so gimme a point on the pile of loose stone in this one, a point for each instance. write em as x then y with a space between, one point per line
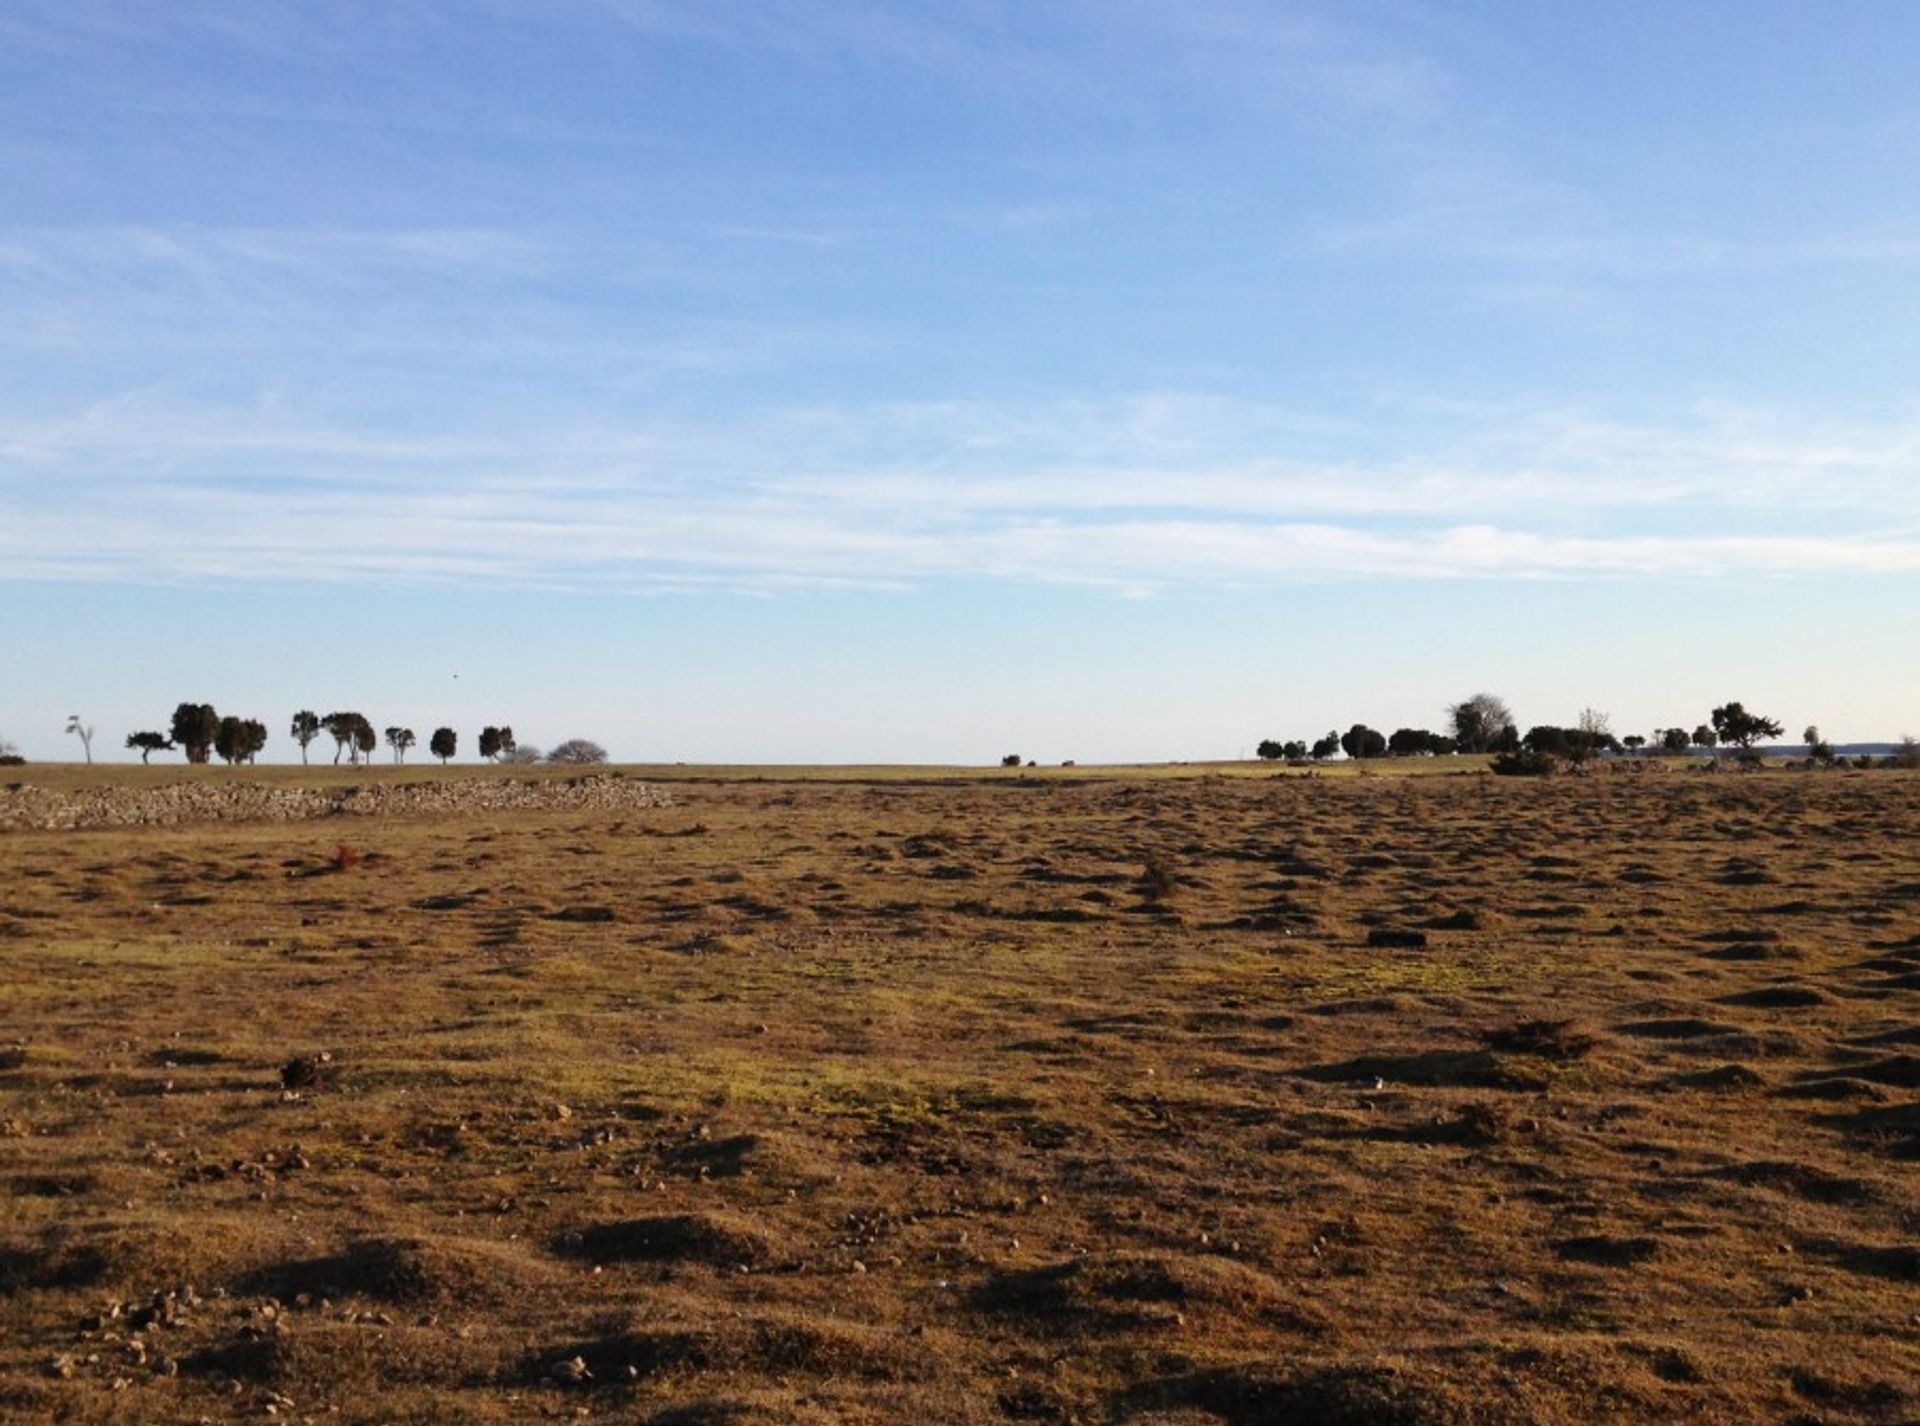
24 807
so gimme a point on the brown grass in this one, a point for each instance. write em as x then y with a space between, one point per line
1105 1099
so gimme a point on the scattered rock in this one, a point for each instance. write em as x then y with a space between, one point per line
26 807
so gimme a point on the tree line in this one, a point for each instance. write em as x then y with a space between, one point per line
1484 724
200 732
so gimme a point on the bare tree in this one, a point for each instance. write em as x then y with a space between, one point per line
82 732
1479 722
1595 732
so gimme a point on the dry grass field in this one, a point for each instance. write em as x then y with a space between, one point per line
1177 1100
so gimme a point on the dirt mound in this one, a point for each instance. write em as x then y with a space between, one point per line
719 1240
761 1409
1801 1180
396 1270
1114 1291
776 1345
1892 1130
1549 1039
1778 997
1261 1394
1449 1069
768 1156
1603 1250
312 1354
1686 1027
136 1258
1728 1076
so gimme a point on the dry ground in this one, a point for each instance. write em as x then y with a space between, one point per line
1186 1101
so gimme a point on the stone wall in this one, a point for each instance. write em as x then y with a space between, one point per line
24 807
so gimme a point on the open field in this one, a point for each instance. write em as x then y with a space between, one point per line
323 774
1181 1100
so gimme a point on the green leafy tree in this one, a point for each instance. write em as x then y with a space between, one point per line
1549 739
1705 737
195 726
400 739
238 739
1360 741
1736 727
1324 748
306 727
339 727
352 734
1269 750
149 743
1675 740
1294 751
444 743
496 744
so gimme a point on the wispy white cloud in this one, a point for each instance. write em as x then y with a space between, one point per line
1153 491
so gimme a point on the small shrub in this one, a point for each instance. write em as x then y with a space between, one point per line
1157 879
1525 762
1010 760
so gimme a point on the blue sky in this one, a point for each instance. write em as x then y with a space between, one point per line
835 381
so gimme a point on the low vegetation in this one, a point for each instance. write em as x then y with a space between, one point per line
1203 1100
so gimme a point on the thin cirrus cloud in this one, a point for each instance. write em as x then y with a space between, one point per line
770 544
1131 495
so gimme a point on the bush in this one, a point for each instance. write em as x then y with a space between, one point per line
1010 760
578 750
1525 762
1157 879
